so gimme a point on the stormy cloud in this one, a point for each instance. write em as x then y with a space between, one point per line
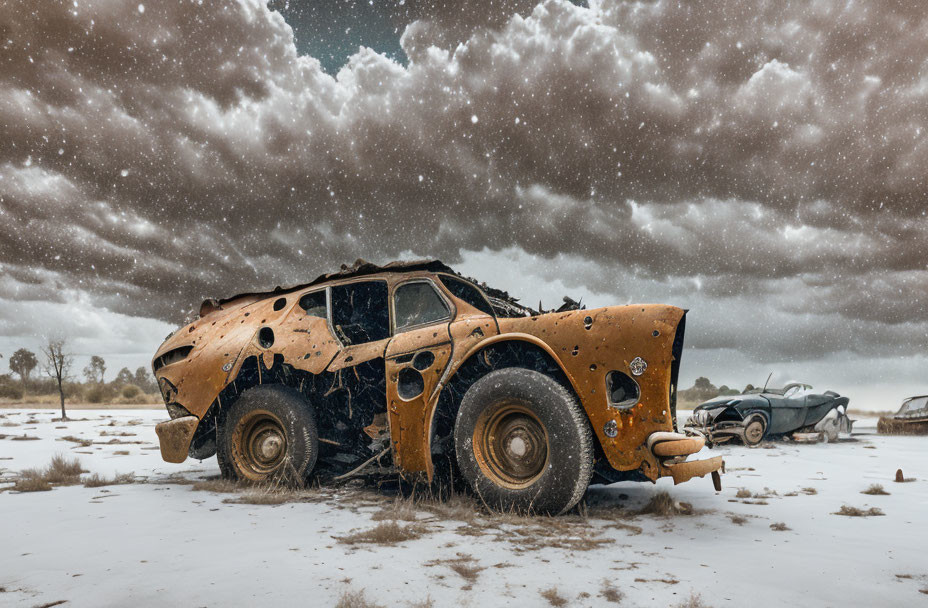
765 163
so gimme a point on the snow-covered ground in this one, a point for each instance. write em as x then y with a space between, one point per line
162 543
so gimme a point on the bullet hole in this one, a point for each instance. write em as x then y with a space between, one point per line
410 383
266 337
423 360
192 327
349 359
477 333
247 314
575 351
588 322
279 303
593 367
655 333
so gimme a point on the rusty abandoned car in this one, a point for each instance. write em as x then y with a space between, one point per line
911 419
414 366
767 412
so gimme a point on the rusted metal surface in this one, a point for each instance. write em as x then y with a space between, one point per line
174 436
413 377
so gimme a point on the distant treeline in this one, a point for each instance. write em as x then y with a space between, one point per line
703 390
27 381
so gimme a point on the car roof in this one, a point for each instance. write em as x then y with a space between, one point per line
364 268
359 269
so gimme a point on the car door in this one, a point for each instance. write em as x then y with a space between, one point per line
416 358
786 414
354 391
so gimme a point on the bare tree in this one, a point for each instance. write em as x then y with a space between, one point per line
95 370
58 366
22 362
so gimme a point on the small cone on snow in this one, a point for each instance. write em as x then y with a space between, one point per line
899 477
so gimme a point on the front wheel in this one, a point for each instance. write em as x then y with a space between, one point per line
269 435
523 443
754 431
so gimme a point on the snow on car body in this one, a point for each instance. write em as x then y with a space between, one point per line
412 359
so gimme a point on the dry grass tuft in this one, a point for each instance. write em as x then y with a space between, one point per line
60 471
810 491
456 506
693 601
262 496
849 511
24 437
426 603
222 486
554 598
32 481
875 490
611 593
386 533
98 481
466 570
738 520
463 565
743 493
63 471
401 509
662 504
82 442
355 599
779 527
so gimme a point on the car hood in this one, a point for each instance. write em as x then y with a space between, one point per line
716 402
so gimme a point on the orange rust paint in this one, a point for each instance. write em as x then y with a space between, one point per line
585 344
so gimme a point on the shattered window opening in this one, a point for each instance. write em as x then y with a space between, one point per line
467 292
360 313
314 304
418 303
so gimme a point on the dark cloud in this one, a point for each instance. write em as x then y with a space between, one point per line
769 157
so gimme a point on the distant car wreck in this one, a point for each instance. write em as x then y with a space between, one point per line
417 368
757 414
911 419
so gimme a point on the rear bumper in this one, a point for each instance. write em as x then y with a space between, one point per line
175 437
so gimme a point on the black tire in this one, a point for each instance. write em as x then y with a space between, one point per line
269 435
755 431
523 443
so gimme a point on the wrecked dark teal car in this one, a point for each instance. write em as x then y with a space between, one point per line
757 414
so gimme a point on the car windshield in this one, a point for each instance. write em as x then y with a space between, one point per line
913 405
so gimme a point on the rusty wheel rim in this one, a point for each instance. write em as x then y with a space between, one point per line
511 445
754 432
259 444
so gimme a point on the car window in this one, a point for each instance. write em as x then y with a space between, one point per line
418 303
914 405
467 292
360 313
314 304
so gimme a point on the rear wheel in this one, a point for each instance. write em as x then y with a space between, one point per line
269 435
523 443
754 431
